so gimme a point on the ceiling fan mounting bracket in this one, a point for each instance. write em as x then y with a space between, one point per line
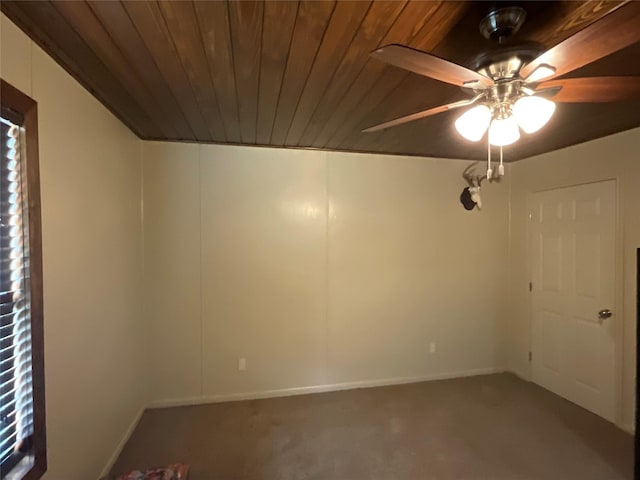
501 23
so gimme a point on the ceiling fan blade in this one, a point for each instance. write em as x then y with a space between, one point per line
595 89
611 33
422 114
430 66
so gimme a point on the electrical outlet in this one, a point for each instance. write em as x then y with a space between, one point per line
432 347
242 364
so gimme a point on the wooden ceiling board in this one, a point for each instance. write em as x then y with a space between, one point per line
46 26
387 79
299 74
151 26
335 44
246 20
308 32
89 27
277 33
117 23
213 21
182 25
374 27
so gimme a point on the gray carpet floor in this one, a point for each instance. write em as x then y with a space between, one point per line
493 427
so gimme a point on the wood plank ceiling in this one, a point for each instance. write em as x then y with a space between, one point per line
288 73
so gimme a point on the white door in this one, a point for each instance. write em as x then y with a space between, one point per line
573 245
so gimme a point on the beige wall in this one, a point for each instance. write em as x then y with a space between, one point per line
614 157
318 268
92 238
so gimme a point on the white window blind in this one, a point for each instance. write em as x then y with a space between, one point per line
16 391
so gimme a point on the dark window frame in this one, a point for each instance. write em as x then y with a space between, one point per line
14 102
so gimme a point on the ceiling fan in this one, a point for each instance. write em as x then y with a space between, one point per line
510 88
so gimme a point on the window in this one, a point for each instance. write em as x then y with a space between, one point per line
22 415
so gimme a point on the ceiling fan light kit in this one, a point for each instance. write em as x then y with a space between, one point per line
508 90
529 113
474 122
532 113
503 131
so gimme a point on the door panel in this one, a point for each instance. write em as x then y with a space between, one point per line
551 263
573 246
587 273
551 349
587 338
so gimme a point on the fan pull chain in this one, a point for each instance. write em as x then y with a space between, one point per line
489 171
501 166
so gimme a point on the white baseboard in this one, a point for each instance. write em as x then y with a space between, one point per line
287 392
123 441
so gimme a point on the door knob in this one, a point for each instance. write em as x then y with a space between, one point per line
604 314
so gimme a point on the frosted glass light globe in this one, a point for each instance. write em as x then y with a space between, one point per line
504 131
532 113
474 122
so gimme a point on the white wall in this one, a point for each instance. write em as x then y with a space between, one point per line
318 268
614 157
92 239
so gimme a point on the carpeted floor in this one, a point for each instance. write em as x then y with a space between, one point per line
493 427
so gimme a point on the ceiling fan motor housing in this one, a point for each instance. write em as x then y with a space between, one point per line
505 62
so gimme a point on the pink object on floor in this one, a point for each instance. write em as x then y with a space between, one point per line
177 471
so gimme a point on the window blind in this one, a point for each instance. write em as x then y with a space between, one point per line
16 391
